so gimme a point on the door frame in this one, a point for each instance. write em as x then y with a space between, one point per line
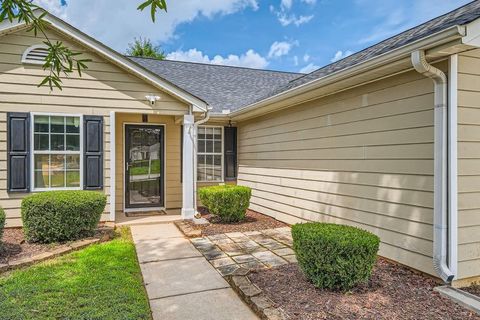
163 168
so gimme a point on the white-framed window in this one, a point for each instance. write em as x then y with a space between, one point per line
56 151
210 154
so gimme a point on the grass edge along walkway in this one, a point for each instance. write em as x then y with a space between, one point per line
102 281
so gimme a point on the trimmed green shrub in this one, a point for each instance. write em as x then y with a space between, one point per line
2 224
229 203
334 256
57 216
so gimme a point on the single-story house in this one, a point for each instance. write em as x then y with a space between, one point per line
387 139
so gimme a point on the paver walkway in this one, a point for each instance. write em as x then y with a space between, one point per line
229 252
180 282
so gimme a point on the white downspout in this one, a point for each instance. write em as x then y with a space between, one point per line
440 218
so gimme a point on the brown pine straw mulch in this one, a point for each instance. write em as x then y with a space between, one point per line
254 221
14 247
393 292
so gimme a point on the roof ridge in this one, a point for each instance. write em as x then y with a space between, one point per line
218 65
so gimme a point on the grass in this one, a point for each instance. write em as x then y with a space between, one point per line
100 282
141 167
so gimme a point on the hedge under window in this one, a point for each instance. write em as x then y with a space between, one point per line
210 154
56 152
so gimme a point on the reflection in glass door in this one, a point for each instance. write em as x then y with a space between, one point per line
144 166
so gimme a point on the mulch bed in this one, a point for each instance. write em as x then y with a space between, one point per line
393 292
14 246
474 289
254 221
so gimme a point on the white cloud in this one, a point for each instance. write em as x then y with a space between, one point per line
309 68
282 48
117 22
250 59
286 4
306 57
340 55
288 19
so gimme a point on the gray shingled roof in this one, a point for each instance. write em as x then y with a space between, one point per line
233 88
222 87
460 16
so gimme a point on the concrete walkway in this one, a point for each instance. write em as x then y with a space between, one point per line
180 282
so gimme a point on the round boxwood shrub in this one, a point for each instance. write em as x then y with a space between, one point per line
2 224
334 256
229 203
57 216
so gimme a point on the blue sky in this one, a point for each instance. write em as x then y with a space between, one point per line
290 35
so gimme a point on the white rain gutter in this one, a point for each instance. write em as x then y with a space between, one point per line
440 213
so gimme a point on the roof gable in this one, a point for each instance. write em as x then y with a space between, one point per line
114 57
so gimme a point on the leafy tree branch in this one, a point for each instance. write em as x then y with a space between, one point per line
60 61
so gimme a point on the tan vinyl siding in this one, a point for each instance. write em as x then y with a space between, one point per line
104 87
363 157
469 164
173 186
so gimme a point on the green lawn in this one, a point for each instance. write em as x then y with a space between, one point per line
100 282
141 167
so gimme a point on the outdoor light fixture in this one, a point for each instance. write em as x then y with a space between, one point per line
152 99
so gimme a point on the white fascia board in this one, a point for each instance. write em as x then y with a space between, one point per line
198 104
444 36
472 36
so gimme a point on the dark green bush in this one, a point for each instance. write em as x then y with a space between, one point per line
229 203
334 256
56 216
2 224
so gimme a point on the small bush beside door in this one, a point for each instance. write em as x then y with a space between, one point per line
334 256
57 216
229 203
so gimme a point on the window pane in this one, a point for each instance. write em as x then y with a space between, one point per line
41 162
217 133
201 145
217 172
57 162
209 133
40 142
217 146
73 142
57 124
73 179
41 179
73 124
209 146
58 179
41 123
201 173
217 160
58 142
73 161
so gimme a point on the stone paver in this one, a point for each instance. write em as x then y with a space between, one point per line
249 250
220 304
180 282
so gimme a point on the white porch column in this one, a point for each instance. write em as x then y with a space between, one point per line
188 205
112 165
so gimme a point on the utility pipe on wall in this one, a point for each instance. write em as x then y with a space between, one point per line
440 217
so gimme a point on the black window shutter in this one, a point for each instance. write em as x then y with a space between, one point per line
18 152
93 152
230 153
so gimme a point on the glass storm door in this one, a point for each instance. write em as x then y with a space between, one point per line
144 166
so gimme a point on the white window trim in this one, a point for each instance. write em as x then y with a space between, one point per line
29 49
222 179
33 152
